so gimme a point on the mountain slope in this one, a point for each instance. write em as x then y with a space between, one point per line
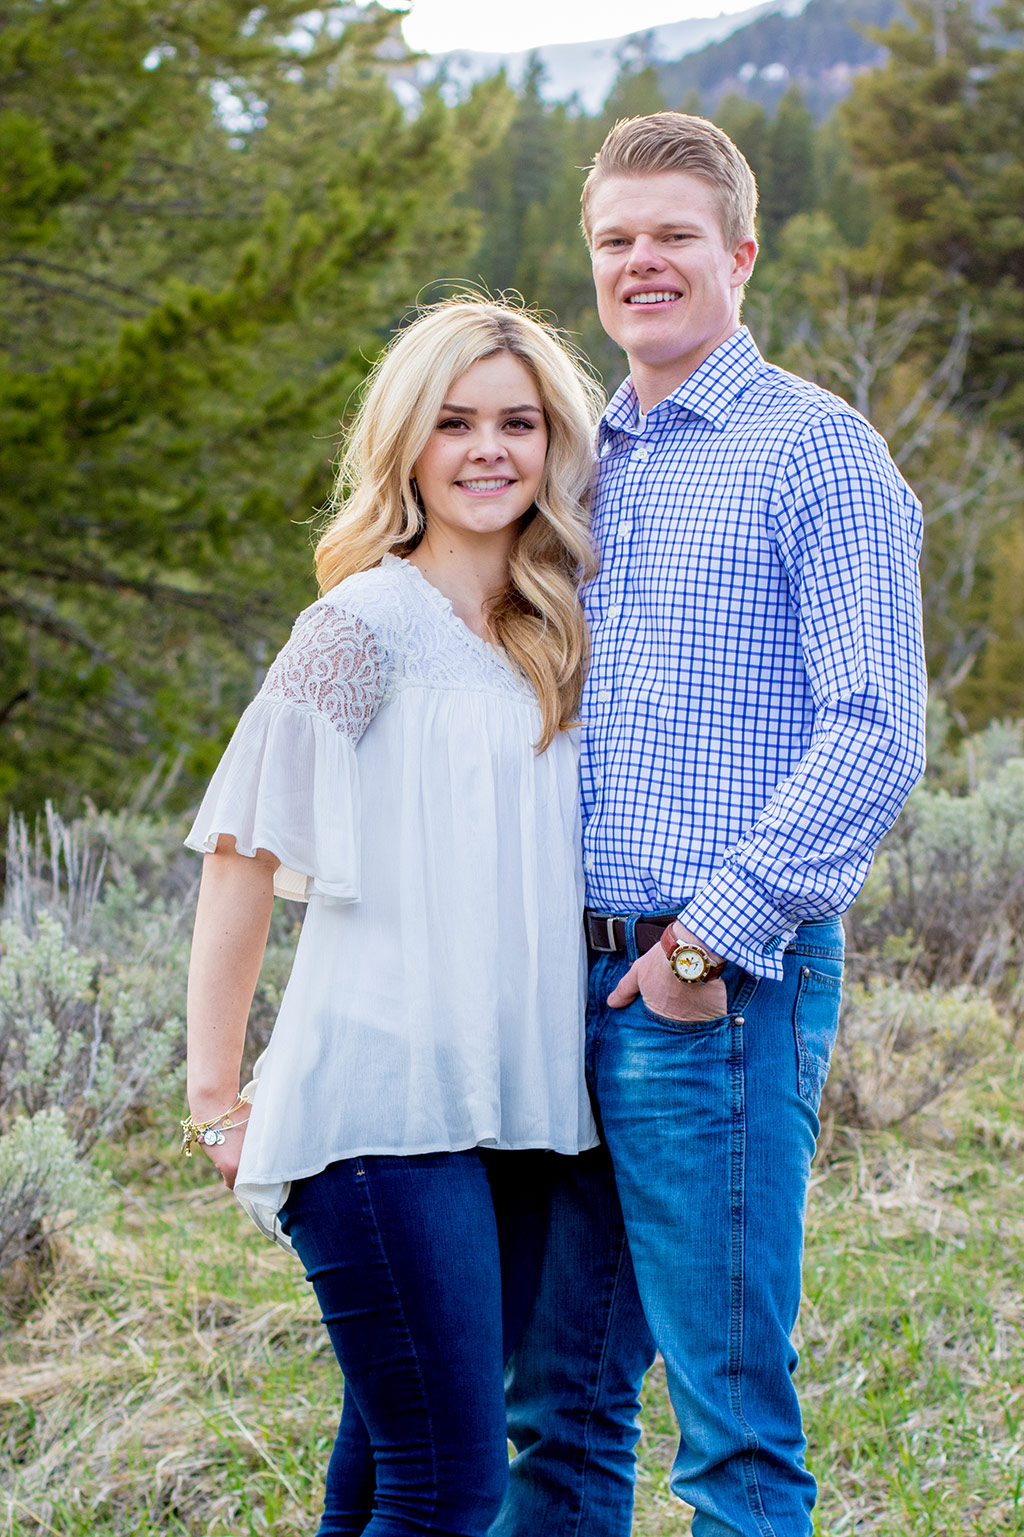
820 50
588 69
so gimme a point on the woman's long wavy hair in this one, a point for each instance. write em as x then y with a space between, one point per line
374 509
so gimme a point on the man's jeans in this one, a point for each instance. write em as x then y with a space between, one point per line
711 1128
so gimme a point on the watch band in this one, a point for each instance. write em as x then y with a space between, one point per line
712 969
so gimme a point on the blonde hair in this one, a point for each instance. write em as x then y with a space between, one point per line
374 509
674 141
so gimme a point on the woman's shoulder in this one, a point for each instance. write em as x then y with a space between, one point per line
378 597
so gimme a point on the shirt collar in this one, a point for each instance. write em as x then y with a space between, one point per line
709 392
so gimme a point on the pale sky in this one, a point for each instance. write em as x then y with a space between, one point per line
492 27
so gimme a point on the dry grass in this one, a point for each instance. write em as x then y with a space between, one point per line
170 1375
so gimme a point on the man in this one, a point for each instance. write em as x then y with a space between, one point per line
753 722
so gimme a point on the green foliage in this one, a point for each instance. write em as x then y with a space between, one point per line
77 1032
900 1048
939 131
997 683
216 214
968 474
93 963
746 123
944 902
788 179
44 1184
212 217
91 966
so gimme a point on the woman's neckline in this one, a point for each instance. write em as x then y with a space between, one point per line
445 606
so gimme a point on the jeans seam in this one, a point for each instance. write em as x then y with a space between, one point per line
412 1344
595 1396
738 1192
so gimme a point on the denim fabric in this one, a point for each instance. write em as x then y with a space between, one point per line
711 1128
574 1380
423 1267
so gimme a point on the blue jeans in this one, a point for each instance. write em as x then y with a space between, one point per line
423 1267
711 1129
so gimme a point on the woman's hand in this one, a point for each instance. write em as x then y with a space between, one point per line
225 1156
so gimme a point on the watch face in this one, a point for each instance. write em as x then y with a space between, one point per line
688 964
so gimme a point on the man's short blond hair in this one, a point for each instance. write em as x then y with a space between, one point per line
674 141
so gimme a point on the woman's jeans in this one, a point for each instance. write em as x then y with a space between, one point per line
710 1127
423 1267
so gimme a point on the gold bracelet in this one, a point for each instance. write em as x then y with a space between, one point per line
210 1133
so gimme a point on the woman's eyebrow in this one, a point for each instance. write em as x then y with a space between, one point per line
506 410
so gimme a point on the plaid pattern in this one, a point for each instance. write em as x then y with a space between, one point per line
754 713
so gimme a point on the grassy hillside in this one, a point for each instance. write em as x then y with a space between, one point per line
169 1375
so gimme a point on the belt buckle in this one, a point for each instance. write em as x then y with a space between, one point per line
595 923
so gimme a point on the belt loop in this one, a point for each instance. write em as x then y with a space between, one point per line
631 946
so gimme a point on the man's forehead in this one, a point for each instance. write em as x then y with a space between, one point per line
661 199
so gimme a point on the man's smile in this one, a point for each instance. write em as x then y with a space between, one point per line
656 296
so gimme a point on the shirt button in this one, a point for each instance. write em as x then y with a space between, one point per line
614 610
623 527
603 695
588 863
641 453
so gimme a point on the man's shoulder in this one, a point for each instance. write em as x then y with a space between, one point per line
798 404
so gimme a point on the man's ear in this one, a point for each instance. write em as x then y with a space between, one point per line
744 257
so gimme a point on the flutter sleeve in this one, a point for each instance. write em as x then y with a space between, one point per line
289 781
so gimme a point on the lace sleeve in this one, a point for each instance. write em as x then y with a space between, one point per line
289 779
332 666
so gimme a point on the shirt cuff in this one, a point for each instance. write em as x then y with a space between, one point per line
733 917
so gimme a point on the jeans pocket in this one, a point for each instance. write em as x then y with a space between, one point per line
685 1026
815 1022
740 987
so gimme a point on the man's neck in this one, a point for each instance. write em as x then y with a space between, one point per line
655 382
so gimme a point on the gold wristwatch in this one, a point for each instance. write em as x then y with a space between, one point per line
690 962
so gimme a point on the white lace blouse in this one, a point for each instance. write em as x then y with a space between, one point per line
436 998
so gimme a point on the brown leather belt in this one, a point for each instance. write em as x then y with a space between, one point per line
607 935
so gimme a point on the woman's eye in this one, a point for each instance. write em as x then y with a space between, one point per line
518 421
450 421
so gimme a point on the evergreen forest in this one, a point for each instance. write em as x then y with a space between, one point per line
213 216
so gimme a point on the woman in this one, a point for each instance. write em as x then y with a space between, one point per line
407 767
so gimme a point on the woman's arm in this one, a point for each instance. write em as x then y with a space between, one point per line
232 921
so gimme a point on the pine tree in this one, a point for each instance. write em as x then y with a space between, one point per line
939 131
209 231
787 179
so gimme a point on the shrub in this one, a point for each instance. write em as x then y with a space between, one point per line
93 963
944 903
44 1182
79 1032
92 960
899 1048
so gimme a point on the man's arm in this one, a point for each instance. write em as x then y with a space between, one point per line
848 530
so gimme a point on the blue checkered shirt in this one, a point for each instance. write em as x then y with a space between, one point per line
754 713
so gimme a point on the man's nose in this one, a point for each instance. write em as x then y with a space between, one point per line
644 255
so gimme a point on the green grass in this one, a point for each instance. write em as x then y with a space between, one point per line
170 1375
